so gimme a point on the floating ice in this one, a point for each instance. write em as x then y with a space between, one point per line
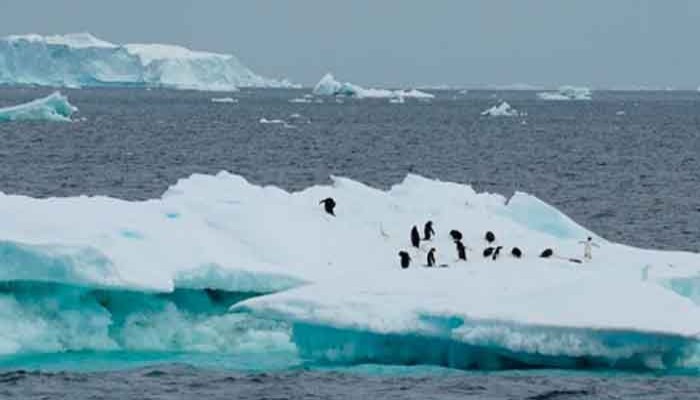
328 86
54 107
502 109
94 273
301 100
224 100
567 93
271 121
77 60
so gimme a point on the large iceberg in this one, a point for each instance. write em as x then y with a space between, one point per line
97 273
80 59
329 86
567 93
54 107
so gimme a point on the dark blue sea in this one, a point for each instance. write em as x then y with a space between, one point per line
624 165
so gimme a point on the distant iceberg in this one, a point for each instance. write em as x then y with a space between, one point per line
567 93
224 100
329 86
54 107
502 109
80 59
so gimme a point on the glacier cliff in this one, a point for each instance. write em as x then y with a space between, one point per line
80 59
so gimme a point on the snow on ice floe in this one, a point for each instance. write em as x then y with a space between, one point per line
230 100
77 60
337 283
54 107
502 109
329 86
567 93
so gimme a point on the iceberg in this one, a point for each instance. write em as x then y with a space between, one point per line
502 109
567 93
219 264
329 86
80 59
224 100
54 107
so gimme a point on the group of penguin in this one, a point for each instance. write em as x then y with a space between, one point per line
428 232
491 251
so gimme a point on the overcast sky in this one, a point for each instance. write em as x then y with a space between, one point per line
601 43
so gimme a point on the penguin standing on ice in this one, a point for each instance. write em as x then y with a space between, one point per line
456 235
461 250
328 205
415 237
428 231
405 259
496 252
516 252
431 257
490 237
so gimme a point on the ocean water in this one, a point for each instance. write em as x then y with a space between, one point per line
624 165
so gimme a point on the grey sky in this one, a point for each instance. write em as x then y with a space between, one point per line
602 43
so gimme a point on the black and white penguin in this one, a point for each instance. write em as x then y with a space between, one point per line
456 235
415 237
488 251
490 237
328 205
431 257
405 259
428 231
496 252
461 250
516 252
546 253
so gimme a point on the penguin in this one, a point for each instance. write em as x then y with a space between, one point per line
456 235
431 257
546 253
328 205
496 252
415 237
428 231
516 252
405 259
461 250
488 251
490 237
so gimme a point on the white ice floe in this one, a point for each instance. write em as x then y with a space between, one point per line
337 283
224 100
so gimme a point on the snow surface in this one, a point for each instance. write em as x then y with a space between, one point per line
345 293
80 59
342 276
567 93
329 86
54 107
502 109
